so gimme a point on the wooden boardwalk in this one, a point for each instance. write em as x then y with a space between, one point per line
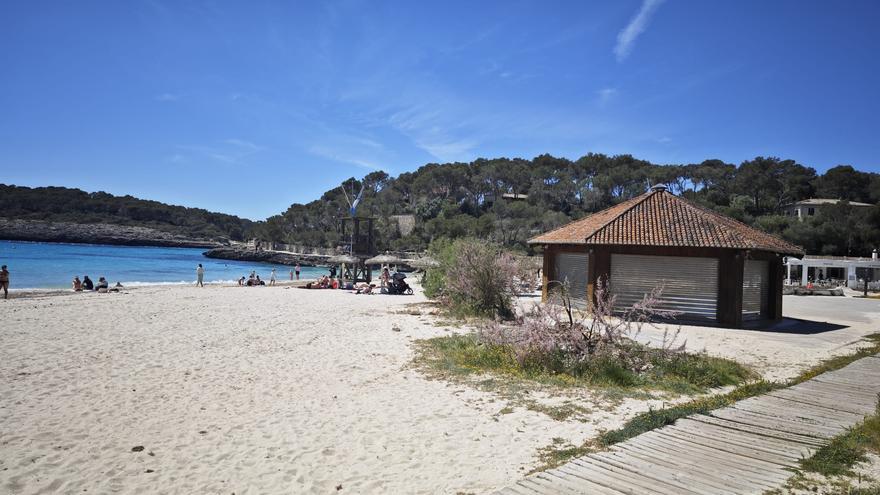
749 447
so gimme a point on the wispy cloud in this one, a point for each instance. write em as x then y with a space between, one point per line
240 143
228 151
628 36
167 97
325 152
605 95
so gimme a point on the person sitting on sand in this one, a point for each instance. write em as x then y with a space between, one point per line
364 288
77 284
4 281
103 285
241 281
87 283
257 281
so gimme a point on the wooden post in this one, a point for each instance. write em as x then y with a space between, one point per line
776 273
600 272
545 271
730 288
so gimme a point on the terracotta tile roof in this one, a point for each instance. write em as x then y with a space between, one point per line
660 218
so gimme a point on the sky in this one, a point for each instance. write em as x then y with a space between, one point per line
247 107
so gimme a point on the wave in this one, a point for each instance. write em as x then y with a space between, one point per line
130 284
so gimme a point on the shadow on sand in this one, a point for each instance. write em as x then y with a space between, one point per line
793 326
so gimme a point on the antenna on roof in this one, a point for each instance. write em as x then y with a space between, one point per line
658 187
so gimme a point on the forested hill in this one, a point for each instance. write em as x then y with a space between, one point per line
458 199
61 204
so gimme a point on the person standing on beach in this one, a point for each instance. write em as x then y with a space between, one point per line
272 277
296 269
4 281
200 274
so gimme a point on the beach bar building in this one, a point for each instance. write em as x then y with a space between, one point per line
712 269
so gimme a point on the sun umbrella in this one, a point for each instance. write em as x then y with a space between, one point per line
383 259
343 258
424 262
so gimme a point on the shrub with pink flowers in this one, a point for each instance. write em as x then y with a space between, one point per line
475 278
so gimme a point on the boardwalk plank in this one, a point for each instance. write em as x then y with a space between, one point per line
599 478
737 448
806 441
737 464
748 447
747 417
691 471
653 471
736 471
799 400
636 479
666 469
771 446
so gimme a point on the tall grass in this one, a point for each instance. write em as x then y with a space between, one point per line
678 372
655 419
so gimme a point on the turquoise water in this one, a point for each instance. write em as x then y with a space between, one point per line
39 265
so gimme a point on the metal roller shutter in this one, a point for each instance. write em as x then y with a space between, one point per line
755 288
572 268
690 285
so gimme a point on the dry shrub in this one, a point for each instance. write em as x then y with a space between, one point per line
557 337
476 278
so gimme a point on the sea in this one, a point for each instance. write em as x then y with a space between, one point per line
43 265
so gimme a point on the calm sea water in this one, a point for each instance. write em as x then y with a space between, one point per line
38 265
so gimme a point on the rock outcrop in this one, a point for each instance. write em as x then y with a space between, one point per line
280 258
94 233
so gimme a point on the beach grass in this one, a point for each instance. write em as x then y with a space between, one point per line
680 373
846 450
656 419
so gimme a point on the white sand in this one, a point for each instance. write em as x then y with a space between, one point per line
798 343
264 390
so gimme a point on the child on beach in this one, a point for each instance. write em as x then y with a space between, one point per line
4 281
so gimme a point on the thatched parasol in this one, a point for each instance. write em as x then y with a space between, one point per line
383 259
344 258
423 263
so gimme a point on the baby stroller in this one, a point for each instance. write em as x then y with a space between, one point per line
398 286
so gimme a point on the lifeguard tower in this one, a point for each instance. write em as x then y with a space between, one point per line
359 242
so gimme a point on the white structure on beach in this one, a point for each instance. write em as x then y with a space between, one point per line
842 268
810 207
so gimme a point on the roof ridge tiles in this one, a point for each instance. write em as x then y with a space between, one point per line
660 218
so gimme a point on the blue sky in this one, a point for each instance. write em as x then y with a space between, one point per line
247 107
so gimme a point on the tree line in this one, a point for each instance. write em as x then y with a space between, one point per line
453 200
61 204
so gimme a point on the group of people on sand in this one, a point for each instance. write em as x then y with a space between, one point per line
254 280
86 285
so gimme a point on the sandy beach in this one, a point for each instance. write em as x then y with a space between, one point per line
282 390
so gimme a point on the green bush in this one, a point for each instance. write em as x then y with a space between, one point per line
474 278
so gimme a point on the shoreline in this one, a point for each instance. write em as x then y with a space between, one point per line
26 292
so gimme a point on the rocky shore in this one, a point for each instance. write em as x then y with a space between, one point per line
276 257
94 233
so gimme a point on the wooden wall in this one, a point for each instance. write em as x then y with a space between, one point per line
730 273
